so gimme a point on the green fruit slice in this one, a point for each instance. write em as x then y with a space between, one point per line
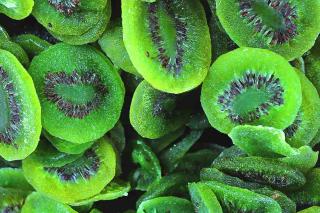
175 54
16 9
288 27
68 179
80 90
251 86
20 115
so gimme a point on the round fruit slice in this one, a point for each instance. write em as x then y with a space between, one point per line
81 93
251 86
17 9
154 114
175 54
288 27
69 178
20 114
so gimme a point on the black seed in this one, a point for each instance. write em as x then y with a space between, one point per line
294 127
66 7
70 109
251 80
9 134
175 63
283 8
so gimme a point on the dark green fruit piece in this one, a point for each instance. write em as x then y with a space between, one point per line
231 152
261 141
198 121
154 114
313 209
309 194
160 144
14 178
81 89
172 156
203 199
166 204
306 124
32 44
38 203
316 139
71 17
176 53
11 200
262 170
95 211
114 190
4 34
16 50
251 86
112 44
18 9
70 178
117 135
20 115
149 169
174 184
193 162
289 28
92 35
66 146
235 199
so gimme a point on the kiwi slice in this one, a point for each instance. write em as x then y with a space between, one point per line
306 124
11 200
175 54
154 114
166 204
80 90
14 178
313 209
32 44
92 35
20 115
112 44
66 146
251 86
17 9
38 203
70 178
288 27
312 65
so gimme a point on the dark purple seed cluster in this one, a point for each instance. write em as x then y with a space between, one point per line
291 130
160 103
283 8
9 134
173 64
268 83
83 168
11 209
70 109
65 6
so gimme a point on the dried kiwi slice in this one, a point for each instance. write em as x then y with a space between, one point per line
80 90
17 9
307 122
11 200
69 178
38 203
288 27
251 86
32 44
20 115
69 17
175 54
154 114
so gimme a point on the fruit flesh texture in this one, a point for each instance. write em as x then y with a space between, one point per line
301 28
170 67
18 9
239 64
